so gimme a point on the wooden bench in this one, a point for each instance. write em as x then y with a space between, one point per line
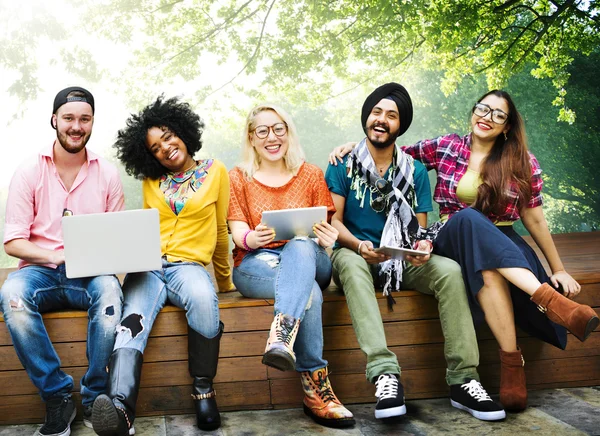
413 333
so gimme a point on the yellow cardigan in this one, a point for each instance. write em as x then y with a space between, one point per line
199 233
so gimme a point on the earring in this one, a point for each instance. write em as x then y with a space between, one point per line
505 137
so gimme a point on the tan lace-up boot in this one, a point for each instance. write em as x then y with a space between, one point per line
320 403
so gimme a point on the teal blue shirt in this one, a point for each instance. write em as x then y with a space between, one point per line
364 222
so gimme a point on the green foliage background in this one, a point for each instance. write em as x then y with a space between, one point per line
319 59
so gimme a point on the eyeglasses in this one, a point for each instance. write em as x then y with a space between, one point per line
498 116
383 187
279 129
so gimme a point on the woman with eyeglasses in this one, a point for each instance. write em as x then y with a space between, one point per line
273 175
486 181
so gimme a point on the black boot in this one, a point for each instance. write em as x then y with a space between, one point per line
203 356
113 414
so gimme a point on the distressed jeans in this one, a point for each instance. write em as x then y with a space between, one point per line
33 290
440 277
184 284
294 276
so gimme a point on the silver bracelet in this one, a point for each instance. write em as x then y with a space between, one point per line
360 245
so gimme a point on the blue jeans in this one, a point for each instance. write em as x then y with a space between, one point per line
294 275
32 290
184 284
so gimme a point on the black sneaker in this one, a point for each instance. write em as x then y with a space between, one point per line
473 398
60 413
87 416
390 397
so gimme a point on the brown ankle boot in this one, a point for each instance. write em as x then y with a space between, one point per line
513 387
579 319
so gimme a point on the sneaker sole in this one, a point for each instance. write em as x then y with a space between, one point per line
88 423
67 431
279 360
333 423
390 412
484 416
105 418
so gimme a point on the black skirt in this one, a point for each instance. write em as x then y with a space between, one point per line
473 241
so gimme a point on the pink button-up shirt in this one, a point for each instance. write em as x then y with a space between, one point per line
37 198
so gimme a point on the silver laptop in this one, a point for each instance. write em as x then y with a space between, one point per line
111 243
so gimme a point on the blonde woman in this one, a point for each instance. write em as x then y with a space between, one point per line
272 176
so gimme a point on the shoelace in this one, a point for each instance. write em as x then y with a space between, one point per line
324 389
387 387
477 391
54 416
285 333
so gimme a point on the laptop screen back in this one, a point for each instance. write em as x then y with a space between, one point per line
111 243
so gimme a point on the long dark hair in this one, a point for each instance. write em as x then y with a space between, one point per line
173 114
506 165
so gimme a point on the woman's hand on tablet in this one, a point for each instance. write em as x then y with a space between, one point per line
261 236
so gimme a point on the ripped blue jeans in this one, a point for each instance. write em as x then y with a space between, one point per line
294 276
33 290
184 284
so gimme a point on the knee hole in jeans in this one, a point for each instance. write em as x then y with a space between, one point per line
132 324
16 304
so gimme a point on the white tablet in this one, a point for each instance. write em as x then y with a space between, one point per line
400 253
290 223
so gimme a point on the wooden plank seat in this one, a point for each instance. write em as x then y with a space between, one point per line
413 333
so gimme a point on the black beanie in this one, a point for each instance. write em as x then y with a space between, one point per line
399 95
61 98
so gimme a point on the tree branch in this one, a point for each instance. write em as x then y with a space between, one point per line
506 5
527 7
254 55
212 32
510 46
166 6
370 76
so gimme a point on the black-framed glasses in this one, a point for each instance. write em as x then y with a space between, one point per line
279 129
498 116
384 188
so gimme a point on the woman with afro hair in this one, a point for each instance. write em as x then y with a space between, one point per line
192 196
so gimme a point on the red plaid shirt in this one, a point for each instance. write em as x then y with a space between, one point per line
449 156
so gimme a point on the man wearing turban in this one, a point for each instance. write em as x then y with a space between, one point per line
382 197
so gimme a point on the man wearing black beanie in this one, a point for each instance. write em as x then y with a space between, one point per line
65 178
382 197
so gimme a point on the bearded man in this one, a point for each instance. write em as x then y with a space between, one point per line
382 197
63 179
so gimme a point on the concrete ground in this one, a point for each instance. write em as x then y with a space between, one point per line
573 411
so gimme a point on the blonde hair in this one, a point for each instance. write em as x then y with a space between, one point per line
294 157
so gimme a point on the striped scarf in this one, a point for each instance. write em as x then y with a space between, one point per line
401 227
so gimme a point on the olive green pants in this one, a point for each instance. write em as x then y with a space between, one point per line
440 277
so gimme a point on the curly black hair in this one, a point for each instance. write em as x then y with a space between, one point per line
175 115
